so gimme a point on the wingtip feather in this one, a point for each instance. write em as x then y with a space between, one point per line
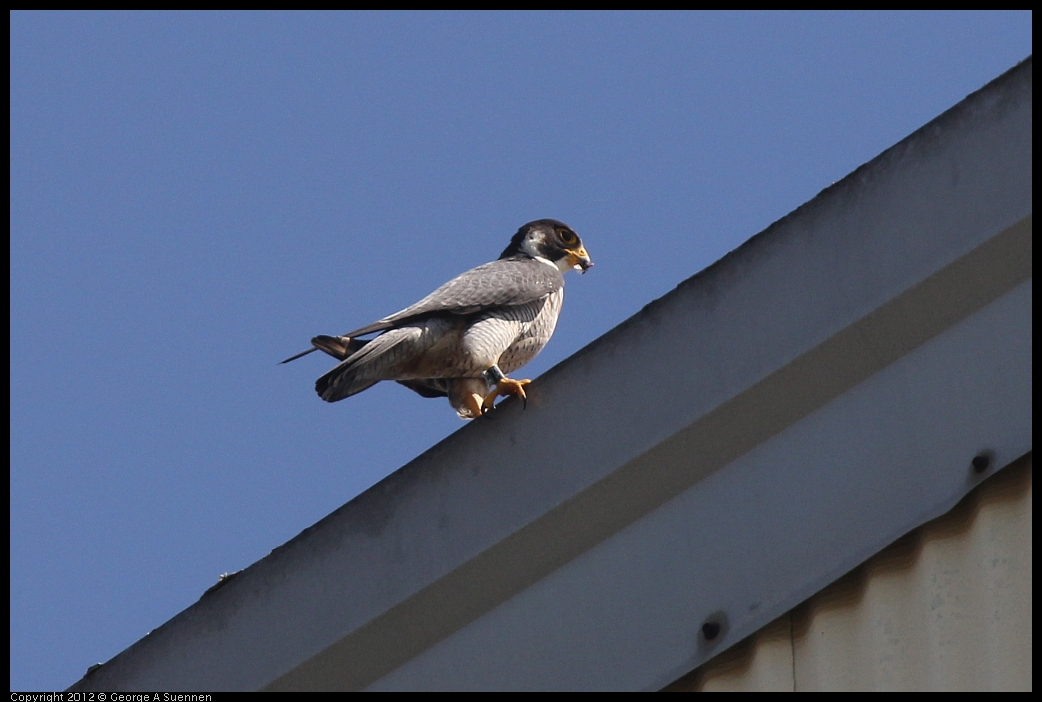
302 353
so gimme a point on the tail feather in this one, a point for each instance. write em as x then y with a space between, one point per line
366 364
331 388
339 347
299 355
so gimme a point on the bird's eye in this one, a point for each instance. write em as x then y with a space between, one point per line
567 237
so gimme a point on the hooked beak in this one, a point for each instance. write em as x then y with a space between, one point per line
579 259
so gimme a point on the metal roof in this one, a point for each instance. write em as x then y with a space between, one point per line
688 477
945 607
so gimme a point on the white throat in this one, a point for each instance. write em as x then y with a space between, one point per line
529 248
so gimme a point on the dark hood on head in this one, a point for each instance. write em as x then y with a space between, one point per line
514 248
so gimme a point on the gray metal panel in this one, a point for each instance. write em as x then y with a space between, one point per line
947 607
777 333
762 662
801 509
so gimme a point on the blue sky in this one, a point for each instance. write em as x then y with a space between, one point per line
193 196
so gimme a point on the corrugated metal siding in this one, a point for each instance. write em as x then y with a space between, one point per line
947 607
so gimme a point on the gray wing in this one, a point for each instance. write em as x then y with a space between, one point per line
507 281
341 347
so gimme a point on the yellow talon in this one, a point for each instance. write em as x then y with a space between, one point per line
506 386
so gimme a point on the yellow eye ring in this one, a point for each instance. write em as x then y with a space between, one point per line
567 237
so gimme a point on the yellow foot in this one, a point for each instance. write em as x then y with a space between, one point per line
506 386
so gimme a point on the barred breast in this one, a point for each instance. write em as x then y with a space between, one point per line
531 340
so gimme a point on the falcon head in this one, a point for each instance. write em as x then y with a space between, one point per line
551 241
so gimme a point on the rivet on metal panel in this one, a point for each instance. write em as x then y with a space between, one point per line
981 462
714 629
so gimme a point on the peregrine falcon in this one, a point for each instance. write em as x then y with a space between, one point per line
462 339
